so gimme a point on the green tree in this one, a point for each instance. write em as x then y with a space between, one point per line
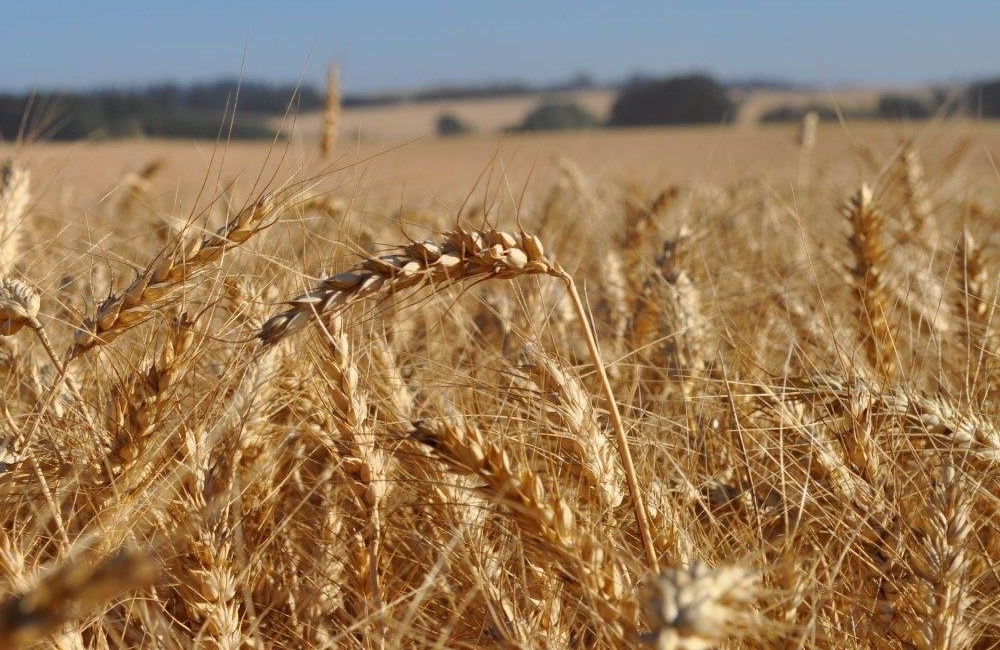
449 124
689 99
558 114
983 98
902 107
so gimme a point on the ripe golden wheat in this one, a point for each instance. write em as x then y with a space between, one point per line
757 431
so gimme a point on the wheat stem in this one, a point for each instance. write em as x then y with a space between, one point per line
635 493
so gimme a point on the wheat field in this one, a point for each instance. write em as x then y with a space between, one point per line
672 389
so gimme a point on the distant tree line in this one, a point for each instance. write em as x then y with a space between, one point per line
983 98
200 110
643 101
166 110
700 99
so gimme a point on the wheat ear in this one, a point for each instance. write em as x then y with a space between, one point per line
586 446
697 607
462 256
974 301
807 144
910 175
942 562
564 538
19 305
866 243
164 276
69 591
138 187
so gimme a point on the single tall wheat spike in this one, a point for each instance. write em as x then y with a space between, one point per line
15 194
918 206
866 243
331 112
807 144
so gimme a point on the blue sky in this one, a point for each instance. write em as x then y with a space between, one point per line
383 44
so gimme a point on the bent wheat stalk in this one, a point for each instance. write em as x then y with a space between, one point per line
464 255
638 503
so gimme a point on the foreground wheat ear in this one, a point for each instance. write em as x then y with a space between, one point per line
19 305
695 608
463 255
70 590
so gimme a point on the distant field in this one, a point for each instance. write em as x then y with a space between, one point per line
432 169
417 119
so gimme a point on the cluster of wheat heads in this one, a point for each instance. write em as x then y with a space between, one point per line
420 445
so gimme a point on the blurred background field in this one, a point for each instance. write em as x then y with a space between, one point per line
420 170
